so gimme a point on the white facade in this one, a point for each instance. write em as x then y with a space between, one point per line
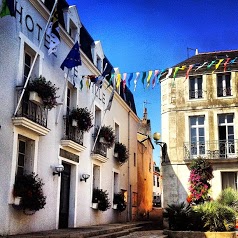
47 146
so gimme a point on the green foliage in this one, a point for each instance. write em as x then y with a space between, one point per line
215 216
120 201
101 197
229 197
46 90
107 133
122 152
29 188
83 117
178 215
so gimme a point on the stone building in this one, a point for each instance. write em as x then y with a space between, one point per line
34 139
199 113
145 167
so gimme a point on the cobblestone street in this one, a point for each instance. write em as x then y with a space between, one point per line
146 234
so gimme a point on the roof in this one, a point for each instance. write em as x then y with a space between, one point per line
86 42
208 59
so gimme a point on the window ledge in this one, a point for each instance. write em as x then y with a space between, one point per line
99 158
30 125
73 145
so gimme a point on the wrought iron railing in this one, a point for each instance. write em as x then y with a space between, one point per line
100 149
32 111
224 92
72 132
193 94
221 149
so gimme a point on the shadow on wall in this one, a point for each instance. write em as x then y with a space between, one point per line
174 179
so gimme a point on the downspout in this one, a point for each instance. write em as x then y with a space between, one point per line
129 210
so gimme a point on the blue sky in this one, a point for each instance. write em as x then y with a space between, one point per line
139 35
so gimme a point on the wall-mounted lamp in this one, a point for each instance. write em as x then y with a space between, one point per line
84 177
163 145
58 169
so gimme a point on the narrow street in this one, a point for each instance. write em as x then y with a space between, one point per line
146 234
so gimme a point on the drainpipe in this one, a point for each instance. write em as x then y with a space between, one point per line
128 164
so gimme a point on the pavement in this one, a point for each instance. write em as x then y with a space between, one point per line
126 230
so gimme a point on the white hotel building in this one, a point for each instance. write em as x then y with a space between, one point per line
43 135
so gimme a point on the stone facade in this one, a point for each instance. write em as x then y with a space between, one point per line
199 114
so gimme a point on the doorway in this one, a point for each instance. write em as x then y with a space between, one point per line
64 196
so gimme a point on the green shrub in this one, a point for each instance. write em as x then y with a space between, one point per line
101 197
215 216
229 197
178 215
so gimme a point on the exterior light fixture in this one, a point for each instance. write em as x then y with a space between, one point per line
163 145
58 169
84 177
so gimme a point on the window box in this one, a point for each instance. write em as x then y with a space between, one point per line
34 97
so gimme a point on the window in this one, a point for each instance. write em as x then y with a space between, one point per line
96 176
117 132
97 117
116 183
226 135
134 159
25 155
157 181
72 30
195 87
99 63
197 135
134 199
28 58
27 65
229 179
224 85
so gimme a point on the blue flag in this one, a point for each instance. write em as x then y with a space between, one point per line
73 59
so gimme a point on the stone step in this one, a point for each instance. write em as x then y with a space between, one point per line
120 233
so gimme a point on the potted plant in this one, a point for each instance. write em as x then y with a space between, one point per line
119 202
81 118
121 152
45 90
106 136
101 198
29 188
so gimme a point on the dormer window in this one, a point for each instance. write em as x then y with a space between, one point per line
72 30
99 63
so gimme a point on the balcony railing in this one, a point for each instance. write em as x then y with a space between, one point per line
100 149
32 111
224 92
72 132
195 94
221 149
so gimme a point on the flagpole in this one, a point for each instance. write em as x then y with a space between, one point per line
34 61
98 131
91 107
63 97
103 119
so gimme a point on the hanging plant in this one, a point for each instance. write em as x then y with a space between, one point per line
121 152
101 197
46 91
106 136
29 188
119 201
201 173
83 118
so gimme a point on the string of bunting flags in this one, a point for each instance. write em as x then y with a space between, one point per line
152 77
